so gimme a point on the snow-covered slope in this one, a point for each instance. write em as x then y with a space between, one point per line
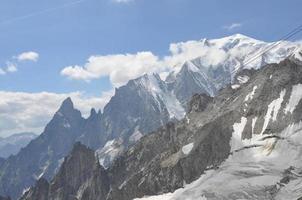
221 59
252 173
265 147
161 95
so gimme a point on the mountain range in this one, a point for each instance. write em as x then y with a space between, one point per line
244 143
12 144
142 106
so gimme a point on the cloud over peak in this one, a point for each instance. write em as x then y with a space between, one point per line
30 112
120 67
232 26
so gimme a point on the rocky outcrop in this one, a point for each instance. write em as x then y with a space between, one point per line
199 103
38 192
79 178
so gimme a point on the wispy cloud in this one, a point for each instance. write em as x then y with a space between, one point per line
40 12
11 67
232 26
122 1
2 72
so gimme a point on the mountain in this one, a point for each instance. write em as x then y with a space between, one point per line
244 143
137 108
43 155
128 115
12 144
138 97
221 59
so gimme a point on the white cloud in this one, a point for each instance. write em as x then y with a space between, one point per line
184 51
12 64
232 26
123 67
28 56
32 111
120 68
2 72
11 67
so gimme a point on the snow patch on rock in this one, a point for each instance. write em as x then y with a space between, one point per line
187 148
237 133
236 86
296 96
247 174
243 79
272 110
251 94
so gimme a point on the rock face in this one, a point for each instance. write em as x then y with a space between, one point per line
236 141
80 177
12 144
144 103
4 198
199 103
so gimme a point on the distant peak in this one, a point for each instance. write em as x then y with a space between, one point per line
93 112
67 104
147 78
239 35
236 37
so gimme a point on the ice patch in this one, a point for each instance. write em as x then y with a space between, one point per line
136 135
236 86
44 169
187 148
253 123
295 98
273 109
237 134
174 107
109 152
66 125
251 94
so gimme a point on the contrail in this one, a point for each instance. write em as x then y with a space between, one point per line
8 21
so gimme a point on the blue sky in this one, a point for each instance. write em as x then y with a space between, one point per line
68 32
68 35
